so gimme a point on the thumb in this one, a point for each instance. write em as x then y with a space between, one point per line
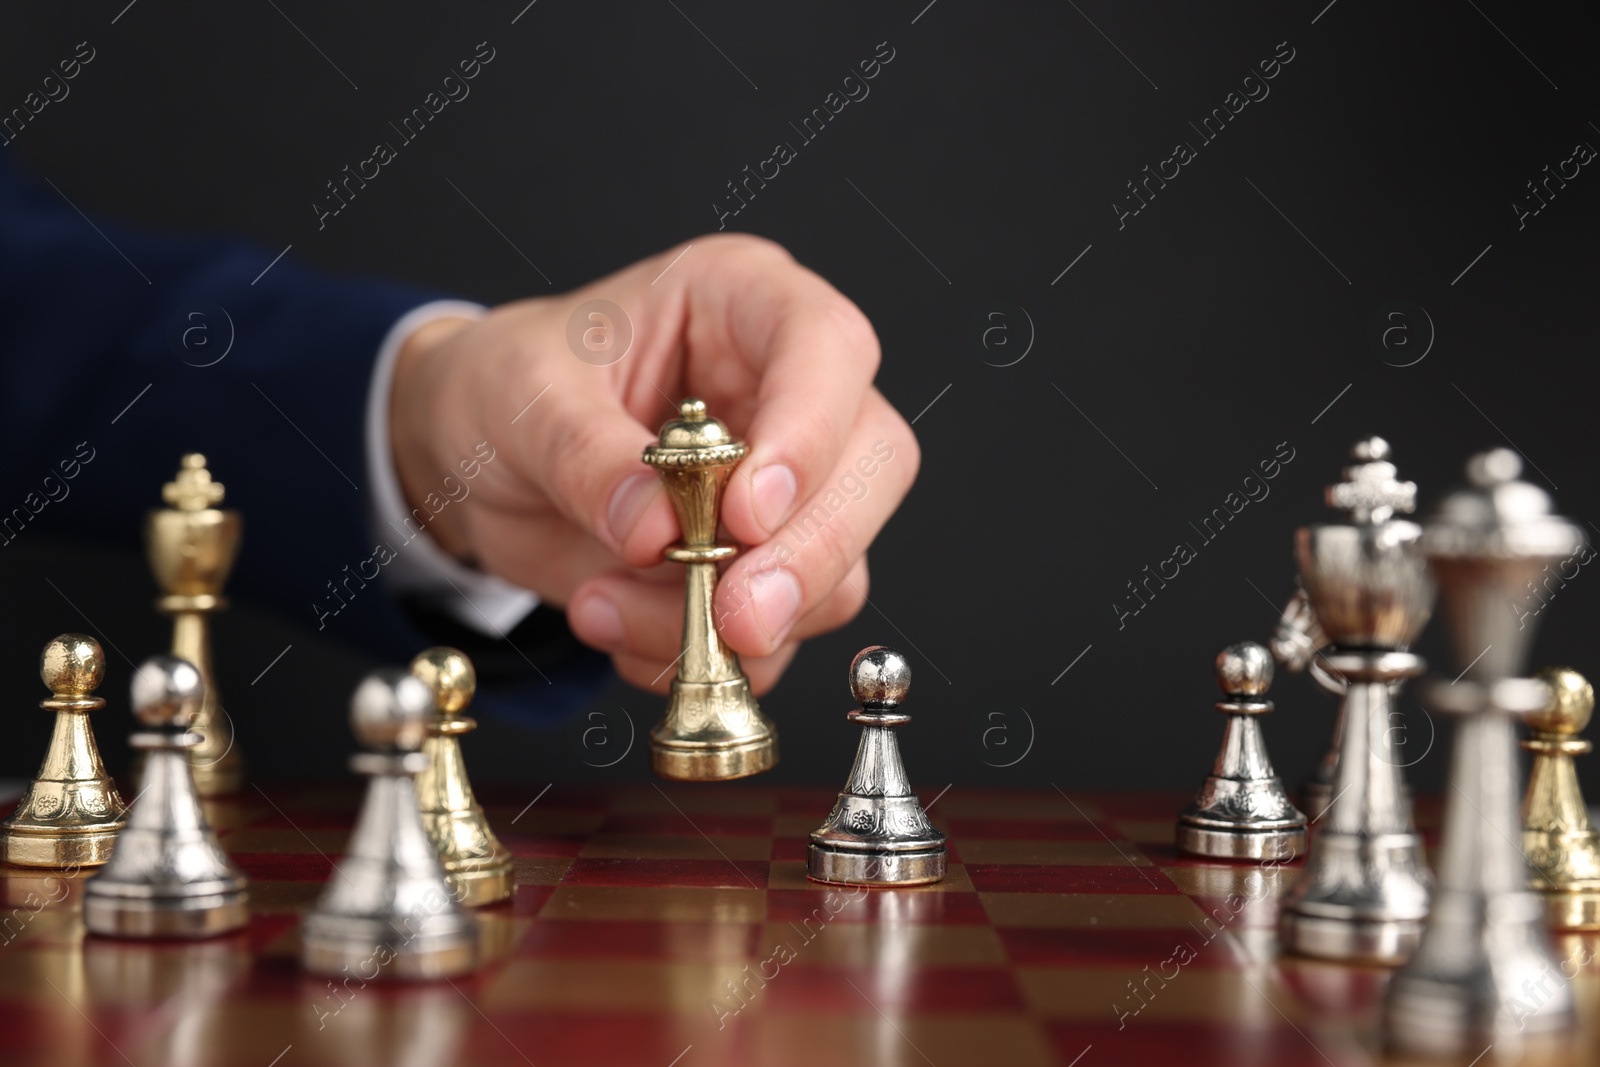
584 450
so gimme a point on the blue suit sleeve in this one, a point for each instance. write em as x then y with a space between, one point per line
125 350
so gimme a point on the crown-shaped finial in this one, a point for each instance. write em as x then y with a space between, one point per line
192 489
1371 492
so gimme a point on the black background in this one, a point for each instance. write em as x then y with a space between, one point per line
1191 342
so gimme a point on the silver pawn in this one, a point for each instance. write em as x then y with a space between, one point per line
1485 972
387 911
1364 891
167 876
1242 812
877 832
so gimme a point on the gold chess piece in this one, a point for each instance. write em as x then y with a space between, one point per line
1562 847
191 545
713 728
477 865
71 813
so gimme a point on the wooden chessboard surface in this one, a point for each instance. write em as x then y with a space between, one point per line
637 907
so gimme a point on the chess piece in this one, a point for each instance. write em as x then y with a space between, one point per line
1297 644
1242 812
388 910
191 545
877 832
1561 846
168 876
478 866
1364 891
71 813
713 728
1485 972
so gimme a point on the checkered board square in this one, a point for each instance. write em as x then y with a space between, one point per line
673 926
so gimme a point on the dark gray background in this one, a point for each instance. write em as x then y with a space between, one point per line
1191 342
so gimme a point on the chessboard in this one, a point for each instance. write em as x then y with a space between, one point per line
673 926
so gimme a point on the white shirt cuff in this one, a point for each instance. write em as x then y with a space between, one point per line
419 567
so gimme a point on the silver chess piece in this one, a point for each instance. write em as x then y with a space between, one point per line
1364 892
1242 811
1485 972
1297 644
877 832
388 910
167 876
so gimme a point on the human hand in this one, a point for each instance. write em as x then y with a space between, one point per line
568 510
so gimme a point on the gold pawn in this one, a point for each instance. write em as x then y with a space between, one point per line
1562 847
71 813
478 866
191 545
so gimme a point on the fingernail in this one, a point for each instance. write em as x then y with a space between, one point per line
774 488
775 600
628 502
598 622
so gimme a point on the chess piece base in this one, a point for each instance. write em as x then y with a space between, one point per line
36 847
1241 844
337 945
713 764
715 755
1436 1019
875 839
1372 913
1387 942
487 884
1575 910
163 917
842 867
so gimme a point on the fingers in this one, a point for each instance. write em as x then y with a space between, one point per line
582 445
785 356
567 555
642 617
774 349
765 592
584 452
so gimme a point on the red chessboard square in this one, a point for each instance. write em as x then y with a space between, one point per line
921 990
594 1039
790 848
1141 1043
529 900
1123 946
712 823
690 942
660 873
1067 878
